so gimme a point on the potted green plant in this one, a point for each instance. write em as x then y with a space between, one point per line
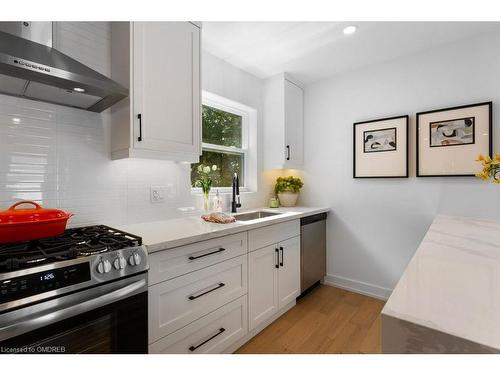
205 180
287 189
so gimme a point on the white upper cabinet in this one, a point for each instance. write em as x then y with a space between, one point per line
283 123
294 125
160 63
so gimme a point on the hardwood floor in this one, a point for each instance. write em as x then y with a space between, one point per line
327 320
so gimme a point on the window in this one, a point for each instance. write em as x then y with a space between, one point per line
224 140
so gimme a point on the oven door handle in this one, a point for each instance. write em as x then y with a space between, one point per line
20 321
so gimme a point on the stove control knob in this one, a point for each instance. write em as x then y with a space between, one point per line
131 260
135 259
100 267
107 266
119 263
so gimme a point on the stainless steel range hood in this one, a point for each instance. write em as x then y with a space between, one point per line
31 68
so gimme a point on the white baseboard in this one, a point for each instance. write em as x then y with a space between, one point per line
358 287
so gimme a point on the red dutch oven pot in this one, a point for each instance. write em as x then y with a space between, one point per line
26 224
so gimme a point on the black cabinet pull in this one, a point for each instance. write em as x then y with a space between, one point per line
287 152
219 285
277 258
139 138
207 254
193 348
282 256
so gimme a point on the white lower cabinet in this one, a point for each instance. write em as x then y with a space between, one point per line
175 303
211 296
262 285
289 271
211 334
273 279
166 265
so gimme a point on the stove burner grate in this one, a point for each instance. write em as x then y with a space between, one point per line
75 242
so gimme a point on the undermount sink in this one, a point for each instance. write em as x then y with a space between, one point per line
254 215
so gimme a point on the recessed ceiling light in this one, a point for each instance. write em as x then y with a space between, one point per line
350 29
78 89
16 120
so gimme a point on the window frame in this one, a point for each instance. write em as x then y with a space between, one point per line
248 118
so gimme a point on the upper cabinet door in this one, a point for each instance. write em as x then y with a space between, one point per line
294 125
166 94
289 271
283 119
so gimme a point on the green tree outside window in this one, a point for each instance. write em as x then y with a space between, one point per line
221 128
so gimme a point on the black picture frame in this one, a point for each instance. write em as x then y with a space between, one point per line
407 118
417 133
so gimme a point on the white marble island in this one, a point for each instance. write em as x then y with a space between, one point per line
448 299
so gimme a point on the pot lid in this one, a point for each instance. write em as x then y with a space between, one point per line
37 213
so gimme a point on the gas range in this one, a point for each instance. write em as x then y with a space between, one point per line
83 257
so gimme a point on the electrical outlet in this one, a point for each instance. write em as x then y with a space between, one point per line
157 194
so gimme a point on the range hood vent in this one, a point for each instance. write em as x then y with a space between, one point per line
31 68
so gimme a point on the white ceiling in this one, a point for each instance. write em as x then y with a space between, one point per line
311 51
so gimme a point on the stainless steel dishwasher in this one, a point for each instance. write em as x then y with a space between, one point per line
312 250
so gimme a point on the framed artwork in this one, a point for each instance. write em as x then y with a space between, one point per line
380 148
449 140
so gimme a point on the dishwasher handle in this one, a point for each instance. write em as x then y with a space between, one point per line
313 219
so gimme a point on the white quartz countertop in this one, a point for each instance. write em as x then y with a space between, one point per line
452 283
166 234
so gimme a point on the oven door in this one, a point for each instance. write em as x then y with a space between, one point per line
110 318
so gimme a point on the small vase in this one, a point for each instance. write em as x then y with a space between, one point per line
287 198
206 201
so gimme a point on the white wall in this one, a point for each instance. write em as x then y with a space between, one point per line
60 156
377 224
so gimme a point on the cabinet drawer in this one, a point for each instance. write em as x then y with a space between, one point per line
211 334
272 234
175 303
166 265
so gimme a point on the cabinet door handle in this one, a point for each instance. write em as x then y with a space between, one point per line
207 254
282 256
139 138
277 258
287 152
195 296
193 348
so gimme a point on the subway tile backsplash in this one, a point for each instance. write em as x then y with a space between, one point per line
60 157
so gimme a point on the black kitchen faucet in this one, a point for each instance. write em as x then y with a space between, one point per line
235 203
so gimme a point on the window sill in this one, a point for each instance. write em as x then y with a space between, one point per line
222 191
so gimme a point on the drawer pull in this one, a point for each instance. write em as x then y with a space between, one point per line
219 285
193 348
207 254
282 256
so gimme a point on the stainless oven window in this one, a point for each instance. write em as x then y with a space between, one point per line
95 336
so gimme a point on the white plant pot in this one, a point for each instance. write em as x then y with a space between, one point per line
288 199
